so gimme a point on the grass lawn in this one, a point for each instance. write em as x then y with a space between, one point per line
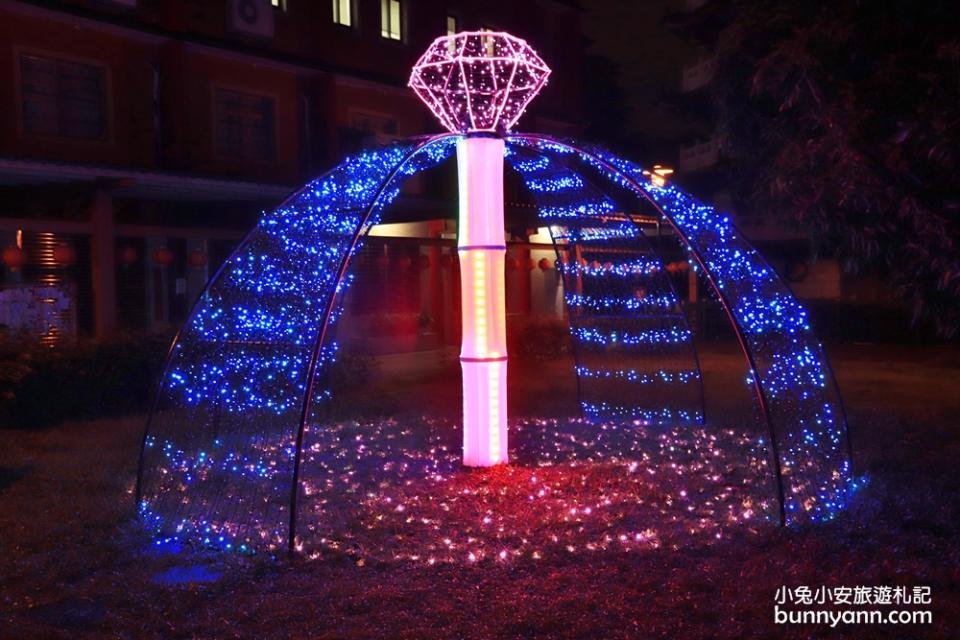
75 564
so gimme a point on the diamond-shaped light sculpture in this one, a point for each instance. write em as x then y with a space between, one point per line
478 80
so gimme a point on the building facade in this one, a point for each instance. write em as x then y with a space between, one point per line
140 139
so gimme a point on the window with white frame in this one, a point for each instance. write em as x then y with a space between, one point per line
390 20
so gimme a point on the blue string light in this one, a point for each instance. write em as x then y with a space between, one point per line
613 337
238 372
793 374
633 303
640 377
218 463
611 275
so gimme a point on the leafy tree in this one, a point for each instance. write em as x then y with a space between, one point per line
845 115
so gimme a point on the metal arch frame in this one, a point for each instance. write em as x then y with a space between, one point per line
362 229
741 339
334 298
670 286
168 358
686 324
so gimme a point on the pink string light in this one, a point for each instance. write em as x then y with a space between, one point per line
478 80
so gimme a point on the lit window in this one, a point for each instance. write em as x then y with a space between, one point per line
342 12
279 4
488 41
63 98
245 125
451 31
390 27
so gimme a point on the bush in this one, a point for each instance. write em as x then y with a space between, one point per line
42 386
538 339
350 370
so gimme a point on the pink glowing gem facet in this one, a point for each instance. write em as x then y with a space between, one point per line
478 80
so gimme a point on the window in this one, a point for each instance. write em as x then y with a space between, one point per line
365 130
390 26
452 31
343 12
63 98
245 125
488 41
380 126
279 4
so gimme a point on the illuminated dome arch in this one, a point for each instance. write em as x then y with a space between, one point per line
788 369
221 456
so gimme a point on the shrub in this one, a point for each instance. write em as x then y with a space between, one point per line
538 339
41 386
350 370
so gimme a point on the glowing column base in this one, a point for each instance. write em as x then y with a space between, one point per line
483 353
484 397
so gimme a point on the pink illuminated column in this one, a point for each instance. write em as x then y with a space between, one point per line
483 352
478 83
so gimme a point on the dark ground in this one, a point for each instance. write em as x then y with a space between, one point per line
73 563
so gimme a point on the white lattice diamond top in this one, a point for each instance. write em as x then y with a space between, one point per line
478 80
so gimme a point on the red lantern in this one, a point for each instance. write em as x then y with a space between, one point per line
404 262
163 257
544 264
423 261
14 257
446 261
197 258
512 263
64 254
382 261
531 264
128 255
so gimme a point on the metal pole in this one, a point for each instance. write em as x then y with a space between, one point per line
483 350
